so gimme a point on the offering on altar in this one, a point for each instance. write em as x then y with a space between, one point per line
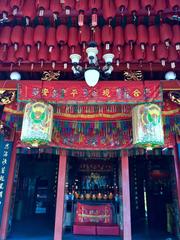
99 196
37 123
147 126
93 196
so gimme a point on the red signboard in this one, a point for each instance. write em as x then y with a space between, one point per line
105 92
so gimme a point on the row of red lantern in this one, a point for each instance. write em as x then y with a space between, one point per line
62 55
142 35
109 8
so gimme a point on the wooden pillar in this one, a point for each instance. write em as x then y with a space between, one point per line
177 170
9 187
126 196
58 231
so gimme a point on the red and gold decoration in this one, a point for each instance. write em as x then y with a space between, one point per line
7 96
147 126
133 75
50 75
175 97
104 93
94 214
37 123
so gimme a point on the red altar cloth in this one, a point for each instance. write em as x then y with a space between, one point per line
94 214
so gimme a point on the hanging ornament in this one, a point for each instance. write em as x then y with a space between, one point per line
147 126
37 123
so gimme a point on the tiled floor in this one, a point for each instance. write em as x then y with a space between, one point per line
43 230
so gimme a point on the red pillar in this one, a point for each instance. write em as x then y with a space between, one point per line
126 196
7 200
58 231
177 170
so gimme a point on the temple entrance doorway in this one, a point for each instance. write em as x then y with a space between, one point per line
152 195
34 196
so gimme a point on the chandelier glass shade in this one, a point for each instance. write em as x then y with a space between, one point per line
92 72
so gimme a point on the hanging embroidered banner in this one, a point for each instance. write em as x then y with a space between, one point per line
5 156
105 92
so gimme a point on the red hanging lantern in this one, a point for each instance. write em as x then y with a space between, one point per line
3 54
142 36
139 55
73 37
154 36
160 6
150 55
118 55
95 5
162 54
17 37
158 174
176 36
54 56
97 35
62 34
51 38
5 36
11 56
29 10
121 5
4 9
118 37
174 4
16 5
148 5
130 34
166 34
28 38
134 7
128 56
32 57
81 7
84 35
39 36
68 5
43 54
42 6
107 36
55 7
64 56
172 56
109 10
21 54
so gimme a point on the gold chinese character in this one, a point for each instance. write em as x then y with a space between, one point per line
106 92
136 93
74 92
1 178
45 91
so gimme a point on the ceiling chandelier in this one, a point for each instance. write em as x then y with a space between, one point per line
92 72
